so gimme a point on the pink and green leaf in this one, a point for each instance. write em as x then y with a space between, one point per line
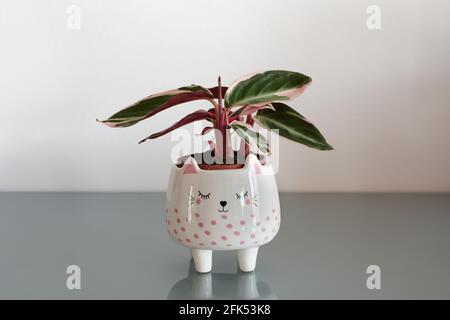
155 103
195 116
251 137
248 110
265 87
292 125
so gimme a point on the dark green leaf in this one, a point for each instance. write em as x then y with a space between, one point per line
265 87
292 125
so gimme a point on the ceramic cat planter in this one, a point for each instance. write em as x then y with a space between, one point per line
228 207
232 209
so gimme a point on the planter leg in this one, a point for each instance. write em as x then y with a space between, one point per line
247 259
202 259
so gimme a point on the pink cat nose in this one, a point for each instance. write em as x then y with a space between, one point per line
223 203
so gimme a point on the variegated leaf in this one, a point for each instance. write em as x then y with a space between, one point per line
265 87
155 103
248 109
292 125
251 137
195 116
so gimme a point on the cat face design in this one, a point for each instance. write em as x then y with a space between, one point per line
223 209
226 199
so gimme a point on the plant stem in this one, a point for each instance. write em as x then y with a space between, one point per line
219 111
222 121
223 151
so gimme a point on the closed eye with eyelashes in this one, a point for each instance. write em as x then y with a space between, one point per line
242 195
204 196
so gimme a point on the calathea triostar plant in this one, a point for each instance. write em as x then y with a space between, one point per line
251 99
226 204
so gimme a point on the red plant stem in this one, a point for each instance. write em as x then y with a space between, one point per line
219 111
250 121
223 142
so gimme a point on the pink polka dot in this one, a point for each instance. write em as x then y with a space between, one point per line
258 223
201 244
267 218
224 216
207 232
252 215
248 201
196 215
213 243
176 210
183 229
236 233
168 222
186 219
228 245
179 239
273 210
200 224
263 229
266 237
213 222
198 201
252 236
224 238
242 222
188 240
242 242
175 231
178 220
195 236
229 226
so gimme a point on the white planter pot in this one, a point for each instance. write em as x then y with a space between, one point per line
233 209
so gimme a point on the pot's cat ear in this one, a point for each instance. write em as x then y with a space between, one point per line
252 163
190 166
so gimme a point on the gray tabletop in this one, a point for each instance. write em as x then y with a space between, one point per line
323 250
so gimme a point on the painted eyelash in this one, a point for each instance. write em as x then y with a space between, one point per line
204 196
238 196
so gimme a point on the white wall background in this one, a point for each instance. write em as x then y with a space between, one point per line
381 97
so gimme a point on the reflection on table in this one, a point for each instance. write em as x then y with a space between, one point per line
239 285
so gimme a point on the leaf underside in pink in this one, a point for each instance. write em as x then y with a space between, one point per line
195 116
